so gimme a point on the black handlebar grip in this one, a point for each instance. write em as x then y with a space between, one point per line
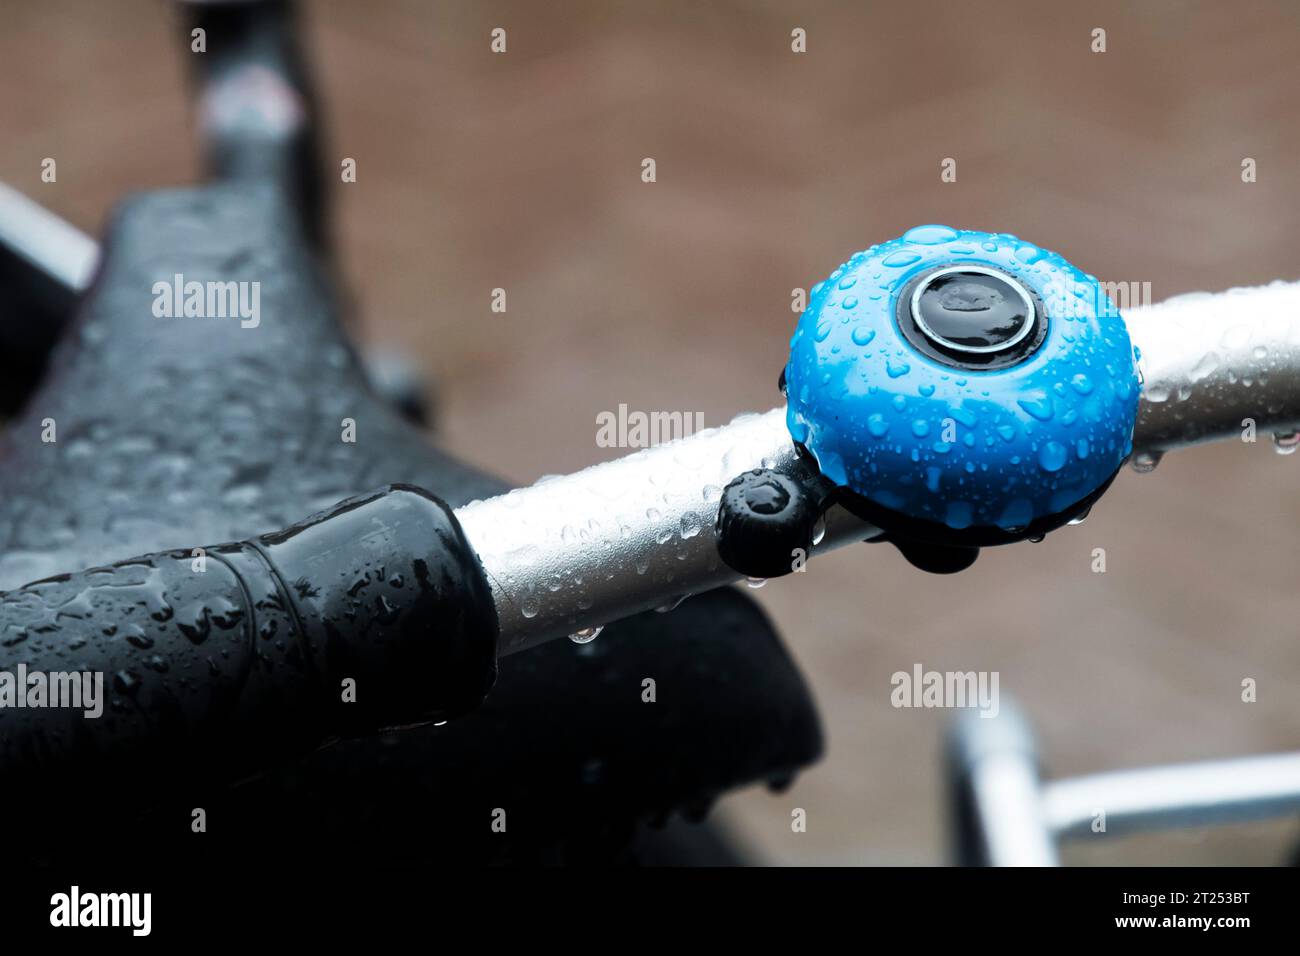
227 660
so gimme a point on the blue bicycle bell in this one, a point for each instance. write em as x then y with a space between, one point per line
961 389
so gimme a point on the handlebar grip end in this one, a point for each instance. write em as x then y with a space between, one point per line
395 611
218 663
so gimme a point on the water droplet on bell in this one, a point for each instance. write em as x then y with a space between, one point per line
755 583
1053 456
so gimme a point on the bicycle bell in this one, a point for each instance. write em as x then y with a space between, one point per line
956 389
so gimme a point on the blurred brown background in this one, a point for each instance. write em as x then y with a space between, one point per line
523 171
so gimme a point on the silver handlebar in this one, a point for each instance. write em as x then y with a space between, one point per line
1216 366
577 551
572 553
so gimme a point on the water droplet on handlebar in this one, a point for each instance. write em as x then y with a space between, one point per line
1144 462
1285 443
819 531
586 635
1156 393
755 583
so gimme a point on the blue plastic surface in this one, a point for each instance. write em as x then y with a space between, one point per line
962 448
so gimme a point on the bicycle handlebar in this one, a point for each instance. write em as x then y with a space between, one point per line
581 550
575 552
246 661
1214 363
636 533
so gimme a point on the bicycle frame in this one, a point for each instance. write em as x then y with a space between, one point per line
1004 814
